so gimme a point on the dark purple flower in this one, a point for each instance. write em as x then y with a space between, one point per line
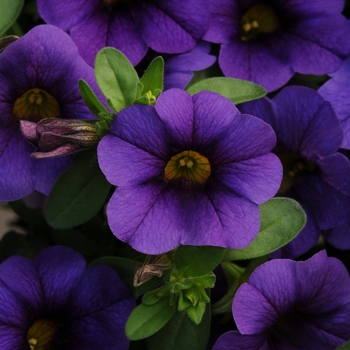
288 305
56 302
314 173
337 92
267 41
131 26
39 76
189 170
178 70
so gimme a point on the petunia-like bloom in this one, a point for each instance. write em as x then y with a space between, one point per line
56 302
337 92
39 76
314 173
267 41
189 170
178 70
289 305
131 26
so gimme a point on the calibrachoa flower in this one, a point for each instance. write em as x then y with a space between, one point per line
314 173
56 302
167 26
337 92
292 305
189 170
267 41
178 70
39 76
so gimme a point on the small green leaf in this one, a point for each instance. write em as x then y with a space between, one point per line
181 333
77 196
9 11
236 90
193 261
345 346
116 78
146 320
90 99
281 219
153 77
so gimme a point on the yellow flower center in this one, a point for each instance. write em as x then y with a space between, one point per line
41 334
260 18
294 166
189 165
36 104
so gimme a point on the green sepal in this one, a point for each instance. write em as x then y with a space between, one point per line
9 11
103 126
181 333
143 100
194 261
195 313
345 346
236 90
153 78
116 77
90 99
145 320
78 194
281 219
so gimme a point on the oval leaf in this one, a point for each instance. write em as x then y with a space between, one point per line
281 219
193 261
236 90
9 11
181 333
77 196
146 320
116 78
345 346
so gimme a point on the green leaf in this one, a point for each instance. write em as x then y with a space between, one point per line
116 78
9 11
181 333
345 346
281 219
236 90
153 77
90 99
77 196
193 261
195 313
146 320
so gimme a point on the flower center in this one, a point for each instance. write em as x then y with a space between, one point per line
41 334
118 4
189 165
260 18
294 166
36 104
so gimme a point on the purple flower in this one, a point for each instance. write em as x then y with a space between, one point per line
267 41
167 26
179 69
314 173
189 170
337 92
39 76
56 302
292 305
